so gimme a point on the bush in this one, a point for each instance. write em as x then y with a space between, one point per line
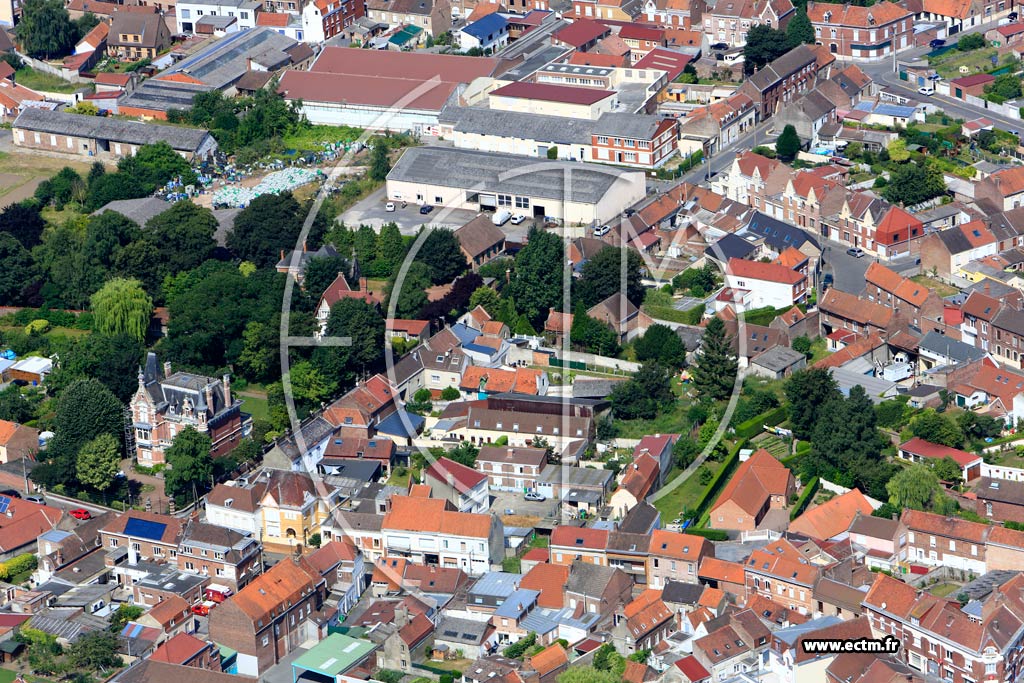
710 534
722 476
18 565
37 327
755 425
516 650
970 41
805 498
450 394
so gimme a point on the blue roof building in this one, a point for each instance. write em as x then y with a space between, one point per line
488 33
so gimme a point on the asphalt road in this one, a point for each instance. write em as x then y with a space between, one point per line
758 135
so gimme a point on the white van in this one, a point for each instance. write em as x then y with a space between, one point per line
501 216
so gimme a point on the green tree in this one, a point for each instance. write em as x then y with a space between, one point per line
112 187
24 221
17 269
270 224
191 465
890 413
441 253
390 246
588 674
380 164
359 321
487 298
155 165
643 395
450 394
94 651
124 613
799 30
914 182
122 307
685 451
267 115
320 272
788 145
182 237
913 487
764 45
898 150
412 296
260 356
937 428
16 406
537 278
697 281
970 41
113 360
660 343
808 392
603 276
803 345
45 29
99 461
1005 87
464 454
714 372
947 469
591 335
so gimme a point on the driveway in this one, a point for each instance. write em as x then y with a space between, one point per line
501 501
848 271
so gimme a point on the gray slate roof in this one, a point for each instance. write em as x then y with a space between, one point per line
486 172
589 579
622 124
224 62
575 476
161 95
950 348
180 139
778 358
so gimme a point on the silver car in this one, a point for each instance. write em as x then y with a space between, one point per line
533 495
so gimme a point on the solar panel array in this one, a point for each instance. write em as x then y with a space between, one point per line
5 503
144 528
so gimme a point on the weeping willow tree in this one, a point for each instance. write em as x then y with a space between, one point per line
122 307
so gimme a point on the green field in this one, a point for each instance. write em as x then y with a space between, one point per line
685 495
977 61
314 137
254 405
38 80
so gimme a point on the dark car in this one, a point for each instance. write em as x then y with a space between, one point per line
720 46
827 281
937 43
10 493
425 209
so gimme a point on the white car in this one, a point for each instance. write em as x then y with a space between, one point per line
533 495
389 207
516 220
928 92
602 230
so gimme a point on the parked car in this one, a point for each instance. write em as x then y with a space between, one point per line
855 252
36 499
390 206
80 513
936 43
926 91
425 209
203 608
602 230
720 46
827 281
10 493
533 495
516 220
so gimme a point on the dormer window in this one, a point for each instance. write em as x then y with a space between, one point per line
828 16
871 20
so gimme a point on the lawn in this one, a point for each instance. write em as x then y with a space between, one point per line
401 480
8 676
940 288
511 565
255 405
684 495
819 350
941 590
39 80
670 422
20 174
977 61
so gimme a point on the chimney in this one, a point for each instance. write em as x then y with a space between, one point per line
226 381
282 254
304 248
401 616
208 390
988 288
167 368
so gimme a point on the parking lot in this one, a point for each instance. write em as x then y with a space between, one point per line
502 501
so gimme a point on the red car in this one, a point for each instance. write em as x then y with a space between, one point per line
80 513
203 609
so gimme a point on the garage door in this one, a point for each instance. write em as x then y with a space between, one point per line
488 201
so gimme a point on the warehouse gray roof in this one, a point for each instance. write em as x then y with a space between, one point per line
557 129
160 95
103 128
506 173
942 345
227 60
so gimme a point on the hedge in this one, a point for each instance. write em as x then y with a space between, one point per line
805 498
754 425
18 565
715 486
710 534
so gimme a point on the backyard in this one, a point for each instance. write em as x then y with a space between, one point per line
672 504
20 174
39 80
940 288
948 64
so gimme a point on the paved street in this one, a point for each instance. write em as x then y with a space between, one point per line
758 135
371 211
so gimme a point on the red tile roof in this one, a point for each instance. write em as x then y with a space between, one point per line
285 582
757 478
972 80
179 649
765 272
445 470
550 580
549 659
579 537
693 669
548 92
664 60
833 517
430 515
926 449
581 32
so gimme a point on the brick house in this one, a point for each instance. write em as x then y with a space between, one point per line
841 311
511 469
761 483
272 616
1000 500
136 35
1003 190
676 557
187 650
433 16
324 19
782 81
862 33
630 140
226 556
729 22
480 240
163 407
570 544
1004 549
648 622
934 540
146 535
941 639
684 14
597 590
781 573
915 301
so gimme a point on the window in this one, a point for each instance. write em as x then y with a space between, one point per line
113 543
602 140
186 14
190 566
522 202
266 641
504 200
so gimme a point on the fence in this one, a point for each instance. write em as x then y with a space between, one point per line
39 65
840 490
